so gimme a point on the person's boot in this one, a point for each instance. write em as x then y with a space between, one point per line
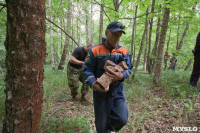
85 101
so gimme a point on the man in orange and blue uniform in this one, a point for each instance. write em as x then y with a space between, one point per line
111 112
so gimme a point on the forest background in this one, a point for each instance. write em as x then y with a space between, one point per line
158 98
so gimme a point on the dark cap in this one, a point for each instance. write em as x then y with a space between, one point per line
116 26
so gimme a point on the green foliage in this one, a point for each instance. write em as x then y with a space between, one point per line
80 122
53 81
176 84
2 100
2 35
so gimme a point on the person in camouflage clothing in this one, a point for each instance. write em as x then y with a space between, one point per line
75 72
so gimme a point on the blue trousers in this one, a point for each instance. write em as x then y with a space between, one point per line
111 112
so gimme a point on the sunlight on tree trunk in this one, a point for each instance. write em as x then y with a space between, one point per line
25 45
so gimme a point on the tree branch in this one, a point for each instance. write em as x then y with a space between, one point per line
104 6
140 15
62 30
120 2
3 6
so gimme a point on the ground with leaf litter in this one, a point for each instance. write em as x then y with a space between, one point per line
153 113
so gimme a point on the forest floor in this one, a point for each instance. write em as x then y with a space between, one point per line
151 110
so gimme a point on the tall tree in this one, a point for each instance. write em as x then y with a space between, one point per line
152 60
145 51
92 25
86 25
157 75
101 21
188 65
150 34
25 46
66 46
133 36
178 48
51 38
141 45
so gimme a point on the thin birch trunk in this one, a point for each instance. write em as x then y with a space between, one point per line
181 41
141 46
133 36
168 40
188 65
150 34
145 52
66 46
179 19
101 23
158 67
51 39
92 25
155 49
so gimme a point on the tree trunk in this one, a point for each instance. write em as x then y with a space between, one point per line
157 76
133 36
66 46
72 43
188 65
2 73
150 33
92 25
145 52
25 46
101 22
177 42
179 47
155 49
51 39
116 4
165 67
141 46
78 29
181 42
168 40
86 25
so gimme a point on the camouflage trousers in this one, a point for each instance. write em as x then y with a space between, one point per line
74 76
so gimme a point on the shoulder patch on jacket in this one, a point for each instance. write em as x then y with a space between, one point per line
121 50
100 50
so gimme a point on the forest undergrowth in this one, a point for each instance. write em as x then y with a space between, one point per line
151 108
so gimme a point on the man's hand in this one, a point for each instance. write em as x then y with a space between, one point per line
115 76
97 87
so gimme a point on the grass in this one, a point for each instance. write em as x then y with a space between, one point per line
2 100
151 109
